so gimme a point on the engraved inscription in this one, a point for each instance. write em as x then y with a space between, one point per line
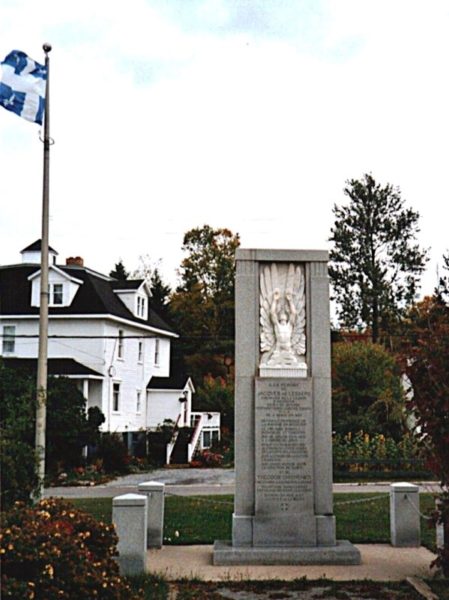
283 446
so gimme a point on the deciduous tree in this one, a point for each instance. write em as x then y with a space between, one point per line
203 304
366 390
427 358
376 262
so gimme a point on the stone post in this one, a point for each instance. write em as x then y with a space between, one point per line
129 516
154 492
404 515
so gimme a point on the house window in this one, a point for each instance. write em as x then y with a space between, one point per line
141 307
156 351
138 401
210 438
140 352
57 290
115 397
9 341
120 349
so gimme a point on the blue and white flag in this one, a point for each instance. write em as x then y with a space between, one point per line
22 86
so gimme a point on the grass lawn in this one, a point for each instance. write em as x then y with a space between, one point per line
203 519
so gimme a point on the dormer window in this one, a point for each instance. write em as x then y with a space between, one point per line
62 287
141 307
56 294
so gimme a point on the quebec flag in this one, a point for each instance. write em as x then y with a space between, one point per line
22 86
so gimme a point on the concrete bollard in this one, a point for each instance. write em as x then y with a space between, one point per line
405 528
129 515
439 529
154 492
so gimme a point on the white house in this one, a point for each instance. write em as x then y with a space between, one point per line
103 333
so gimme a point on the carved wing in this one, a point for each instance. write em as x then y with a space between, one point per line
296 283
267 339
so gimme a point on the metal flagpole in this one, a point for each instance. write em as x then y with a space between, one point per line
41 391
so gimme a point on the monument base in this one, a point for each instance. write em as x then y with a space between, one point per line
343 553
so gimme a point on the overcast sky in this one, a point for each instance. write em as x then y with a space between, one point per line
246 114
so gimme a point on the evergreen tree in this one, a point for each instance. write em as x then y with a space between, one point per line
160 295
442 291
119 272
375 262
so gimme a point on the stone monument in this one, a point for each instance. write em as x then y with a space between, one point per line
283 512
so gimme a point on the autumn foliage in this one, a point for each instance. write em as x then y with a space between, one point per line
428 370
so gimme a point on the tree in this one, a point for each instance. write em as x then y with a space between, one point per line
203 304
442 291
146 268
69 428
366 390
217 394
375 262
119 272
160 295
427 362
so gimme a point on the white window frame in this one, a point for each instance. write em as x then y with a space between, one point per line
138 402
157 351
140 351
120 345
9 339
57 292
116 396
208 433
213 435
141 307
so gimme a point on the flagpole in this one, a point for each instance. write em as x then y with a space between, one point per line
41 384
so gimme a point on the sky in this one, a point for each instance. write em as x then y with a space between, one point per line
246 114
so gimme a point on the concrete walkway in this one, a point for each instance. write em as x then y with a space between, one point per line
191 482
380 562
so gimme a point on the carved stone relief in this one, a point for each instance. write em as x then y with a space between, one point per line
282 320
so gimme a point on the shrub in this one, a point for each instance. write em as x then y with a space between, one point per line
208 458
18 472
364 452
113 452
53 551
68 427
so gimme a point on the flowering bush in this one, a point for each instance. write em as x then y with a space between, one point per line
208 458
53 551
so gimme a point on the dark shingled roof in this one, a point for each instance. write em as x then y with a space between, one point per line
56 366
36 247
126 284
94 296
177 380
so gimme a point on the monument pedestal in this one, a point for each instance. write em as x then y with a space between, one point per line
343 553
283 445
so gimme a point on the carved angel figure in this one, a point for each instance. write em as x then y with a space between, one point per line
282 315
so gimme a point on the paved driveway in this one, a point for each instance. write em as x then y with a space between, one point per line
191 482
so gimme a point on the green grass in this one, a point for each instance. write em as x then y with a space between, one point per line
203 519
